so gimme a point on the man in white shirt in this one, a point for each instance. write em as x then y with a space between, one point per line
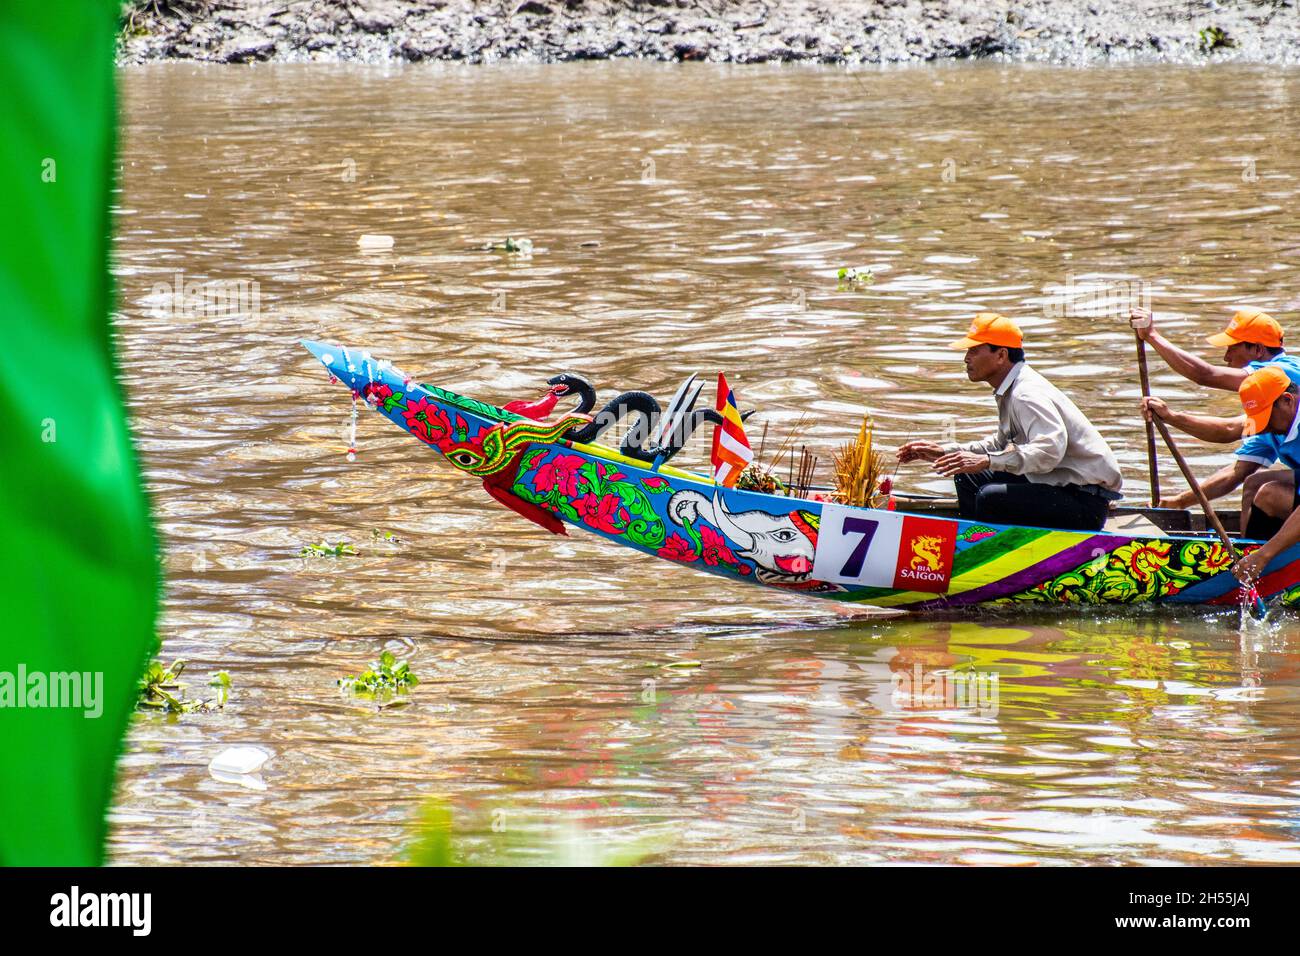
1047 466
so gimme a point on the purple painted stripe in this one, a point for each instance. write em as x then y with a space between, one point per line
1048 568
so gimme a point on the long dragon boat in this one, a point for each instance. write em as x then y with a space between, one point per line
907 559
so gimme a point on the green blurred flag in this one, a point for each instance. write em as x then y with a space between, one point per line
77 563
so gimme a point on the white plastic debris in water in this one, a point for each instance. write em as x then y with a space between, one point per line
375 243
239 760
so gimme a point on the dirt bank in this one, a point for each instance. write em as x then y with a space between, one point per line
738 31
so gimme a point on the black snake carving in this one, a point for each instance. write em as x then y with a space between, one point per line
642 404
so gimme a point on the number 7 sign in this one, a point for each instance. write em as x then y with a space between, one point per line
884 549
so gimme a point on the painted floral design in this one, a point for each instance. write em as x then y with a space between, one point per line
714 550
603 513
382 396
592 493
1138 571
1215 560
677 548
1143 560
559 474
427 421
711 546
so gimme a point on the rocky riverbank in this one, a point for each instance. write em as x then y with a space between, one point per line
737 31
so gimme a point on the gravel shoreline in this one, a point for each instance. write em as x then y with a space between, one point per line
735 31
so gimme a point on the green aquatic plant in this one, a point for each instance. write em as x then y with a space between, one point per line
325 549
523 247
851 277
221 681
186 10
384 677
1213 38
161 690
385 537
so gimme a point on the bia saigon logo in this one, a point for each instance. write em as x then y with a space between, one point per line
925 550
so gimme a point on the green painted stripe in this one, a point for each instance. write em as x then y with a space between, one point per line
993 548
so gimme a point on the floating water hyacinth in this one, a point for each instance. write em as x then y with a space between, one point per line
855 277
523 247
326 550
160 689
385 677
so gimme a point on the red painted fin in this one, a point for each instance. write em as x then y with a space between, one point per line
526 509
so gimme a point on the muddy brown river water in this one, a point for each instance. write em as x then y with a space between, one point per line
683 218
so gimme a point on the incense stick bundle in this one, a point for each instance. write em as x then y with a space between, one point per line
760 477
807 467
787 444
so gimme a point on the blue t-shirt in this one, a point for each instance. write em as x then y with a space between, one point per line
1266 448
1287 363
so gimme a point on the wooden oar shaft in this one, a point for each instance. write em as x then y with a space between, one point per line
1258 608
1151 434
1195 485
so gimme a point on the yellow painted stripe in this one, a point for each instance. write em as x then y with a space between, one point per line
609 454
1040 549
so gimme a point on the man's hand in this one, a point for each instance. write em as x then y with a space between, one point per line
920 451
1155 406
1250 567
1181 501
961 463
1143 322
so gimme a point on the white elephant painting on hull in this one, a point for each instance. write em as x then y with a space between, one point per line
781 546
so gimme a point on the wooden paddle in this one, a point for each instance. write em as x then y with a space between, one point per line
1151 434
1257 607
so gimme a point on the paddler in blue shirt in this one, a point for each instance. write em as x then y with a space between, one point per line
1252 340
1270 401
1271 430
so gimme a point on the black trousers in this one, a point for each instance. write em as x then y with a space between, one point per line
1263 526
1001 498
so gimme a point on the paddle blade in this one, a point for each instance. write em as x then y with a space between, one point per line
674 411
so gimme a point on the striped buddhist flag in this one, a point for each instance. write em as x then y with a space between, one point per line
731 451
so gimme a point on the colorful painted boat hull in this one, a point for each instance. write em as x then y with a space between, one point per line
883 558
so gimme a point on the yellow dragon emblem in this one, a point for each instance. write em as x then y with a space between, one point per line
926 550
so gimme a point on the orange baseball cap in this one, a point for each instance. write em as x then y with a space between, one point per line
1258 393
991 328
1250 325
